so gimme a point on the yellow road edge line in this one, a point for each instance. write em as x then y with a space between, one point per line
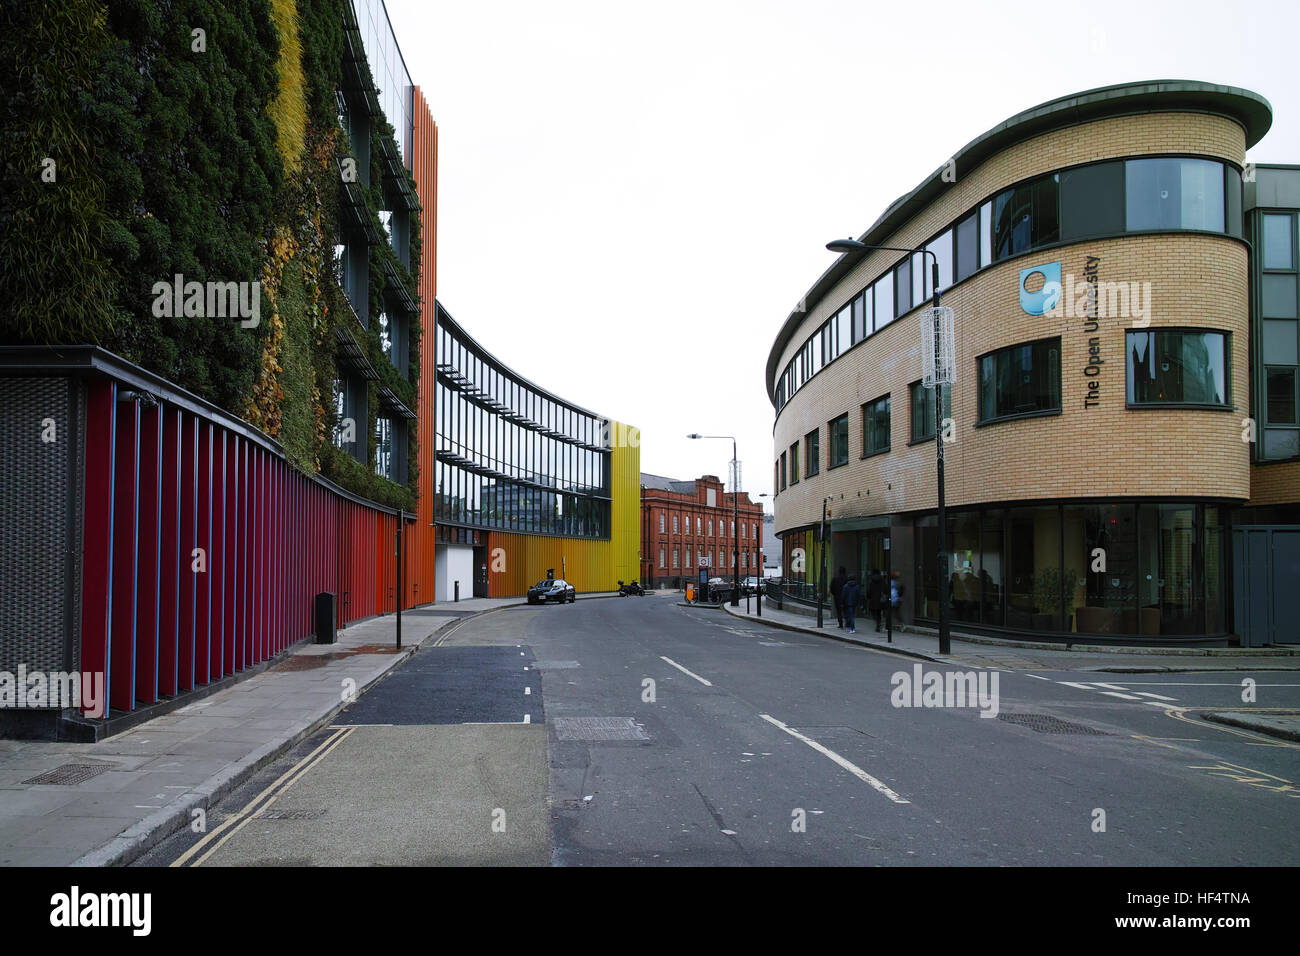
270 800
180 860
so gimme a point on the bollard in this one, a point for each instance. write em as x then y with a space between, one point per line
457 597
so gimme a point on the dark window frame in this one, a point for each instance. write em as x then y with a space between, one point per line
830 445
812 453
981 421
866 410
1228 404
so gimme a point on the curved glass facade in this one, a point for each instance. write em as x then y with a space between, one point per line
1098 200
512 456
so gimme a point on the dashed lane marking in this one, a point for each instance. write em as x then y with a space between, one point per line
685 671
826 751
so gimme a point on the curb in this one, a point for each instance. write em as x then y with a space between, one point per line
1246 723
1114 648
140 838
843 639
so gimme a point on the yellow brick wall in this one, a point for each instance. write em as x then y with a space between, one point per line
1275 484
1196 280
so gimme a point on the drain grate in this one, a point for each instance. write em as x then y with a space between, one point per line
286 814
598 728
1045 724
70 774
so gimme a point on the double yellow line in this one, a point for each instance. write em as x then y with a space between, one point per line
258 805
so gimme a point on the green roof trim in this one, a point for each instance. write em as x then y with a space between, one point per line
1248 109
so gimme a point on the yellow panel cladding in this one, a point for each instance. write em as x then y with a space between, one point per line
587 564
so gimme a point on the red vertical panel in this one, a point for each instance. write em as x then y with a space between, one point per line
97 531
126 487
208 531
189 540
235 499
268 577
251 584
147 565
222 541
261 580
169 553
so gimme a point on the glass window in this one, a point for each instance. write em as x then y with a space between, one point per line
902 287
1020 380
1174 194
1177 367
1281 396
920 277
884 304
1092 201
1026 216
781 471
812 452
794 463
1169 601
1280 341
875 426
922 401
967 246
1278 246
986 234
839 435
942 249
1279 299
1281 443
844 329
861 317
1034 585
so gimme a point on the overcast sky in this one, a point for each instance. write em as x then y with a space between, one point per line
632 197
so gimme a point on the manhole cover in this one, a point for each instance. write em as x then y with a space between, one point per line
285 814
598 728
554 665
71 774
1045 724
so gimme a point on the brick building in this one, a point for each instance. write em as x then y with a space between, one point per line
1125 291
686 525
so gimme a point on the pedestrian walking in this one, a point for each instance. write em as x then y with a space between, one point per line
896 589
850 594
876 596
837 586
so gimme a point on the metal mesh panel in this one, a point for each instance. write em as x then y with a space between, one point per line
37 433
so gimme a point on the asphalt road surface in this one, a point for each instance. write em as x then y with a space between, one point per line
636 731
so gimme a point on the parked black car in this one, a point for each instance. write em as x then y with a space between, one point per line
555 590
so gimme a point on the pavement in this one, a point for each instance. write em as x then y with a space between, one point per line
122 795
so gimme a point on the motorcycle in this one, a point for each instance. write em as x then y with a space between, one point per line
632 588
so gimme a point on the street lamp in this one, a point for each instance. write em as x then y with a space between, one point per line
853 245
761 574
735 515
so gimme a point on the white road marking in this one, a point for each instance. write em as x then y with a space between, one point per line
528 719
1147 693
1036 677
685 671
826 751
527 691
1111 693
1109 686
1070 683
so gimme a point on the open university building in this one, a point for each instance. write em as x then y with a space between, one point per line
1122 442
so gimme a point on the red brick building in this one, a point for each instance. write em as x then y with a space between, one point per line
686 525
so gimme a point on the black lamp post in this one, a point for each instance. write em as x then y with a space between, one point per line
735 514
853 245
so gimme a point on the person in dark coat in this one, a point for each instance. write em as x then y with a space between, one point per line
849 597
837 586
877 595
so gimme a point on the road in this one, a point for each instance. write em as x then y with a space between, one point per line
636 731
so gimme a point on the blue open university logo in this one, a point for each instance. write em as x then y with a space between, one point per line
1045 299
